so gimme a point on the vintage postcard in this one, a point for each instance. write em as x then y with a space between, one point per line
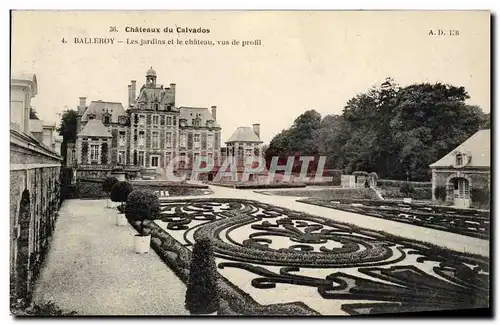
250 163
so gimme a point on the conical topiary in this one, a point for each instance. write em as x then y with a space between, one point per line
202 294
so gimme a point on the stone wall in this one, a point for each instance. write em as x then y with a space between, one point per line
478 179
34 202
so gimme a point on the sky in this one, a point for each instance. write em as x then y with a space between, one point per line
306 60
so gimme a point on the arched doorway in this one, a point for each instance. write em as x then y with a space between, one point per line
461 191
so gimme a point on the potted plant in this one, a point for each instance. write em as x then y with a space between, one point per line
119 193
202 293
142 205
107 185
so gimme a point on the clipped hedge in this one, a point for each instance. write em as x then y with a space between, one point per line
202 293
481 198
331 193
92 188
233 300
397 183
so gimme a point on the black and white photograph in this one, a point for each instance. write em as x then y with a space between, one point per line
250 163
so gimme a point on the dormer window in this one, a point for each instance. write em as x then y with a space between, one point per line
461 159
91 116
106 119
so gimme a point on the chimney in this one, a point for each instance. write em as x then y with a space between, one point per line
82 105
130 100
172 86
256 129
214 112
132 93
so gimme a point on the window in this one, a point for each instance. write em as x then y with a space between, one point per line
210 156
196 141
106 119
140 158
156 120
121 157
168 156
183 140
459 159
174 121
169 120
248 151
182 162
462 190
195 158
156 106
210 141
142 119
196 122
168 139
141 138
91 116
155 139
155 161
122 139
94 152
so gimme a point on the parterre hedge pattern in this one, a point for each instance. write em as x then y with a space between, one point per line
392 273
469 222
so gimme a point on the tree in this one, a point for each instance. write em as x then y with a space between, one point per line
33 114
68 129
120 192
107 185
391 130
142 205
202 294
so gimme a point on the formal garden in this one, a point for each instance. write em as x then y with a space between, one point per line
275 261
469 222
244 257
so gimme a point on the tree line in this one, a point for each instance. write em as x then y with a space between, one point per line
394 131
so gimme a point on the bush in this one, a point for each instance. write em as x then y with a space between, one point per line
89 190
480 197
440 193
142 205
120 191
202 294
406 189
108 184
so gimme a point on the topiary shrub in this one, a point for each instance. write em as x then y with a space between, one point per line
120 191
202 294
108 184
440 193
142 205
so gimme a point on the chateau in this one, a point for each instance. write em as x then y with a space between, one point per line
144 137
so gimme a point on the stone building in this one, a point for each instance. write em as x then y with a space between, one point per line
34 191
147 136
245 141
465 168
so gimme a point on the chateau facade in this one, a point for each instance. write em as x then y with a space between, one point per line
147 135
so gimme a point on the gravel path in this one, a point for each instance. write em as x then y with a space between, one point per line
92 269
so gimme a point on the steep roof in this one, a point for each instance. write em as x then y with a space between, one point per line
477 147
98 108
190 113
95 128
244 134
